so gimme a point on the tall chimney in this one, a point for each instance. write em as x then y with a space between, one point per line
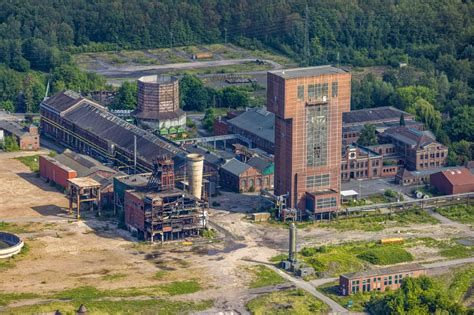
195 166
292 247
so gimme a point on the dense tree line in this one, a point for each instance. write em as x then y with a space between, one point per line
416 296
433 37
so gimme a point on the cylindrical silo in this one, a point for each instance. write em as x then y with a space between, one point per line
195 168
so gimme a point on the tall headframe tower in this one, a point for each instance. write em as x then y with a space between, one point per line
308 104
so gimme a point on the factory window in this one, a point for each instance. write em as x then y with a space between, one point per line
316 135
317 181
325 90
335 89
259 182
300 92
251 183
319 91
244 184
311 91
325 203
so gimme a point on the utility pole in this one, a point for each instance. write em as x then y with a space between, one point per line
134 154
225 36
306 35
171 40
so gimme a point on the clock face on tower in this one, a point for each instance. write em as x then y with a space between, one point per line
352 155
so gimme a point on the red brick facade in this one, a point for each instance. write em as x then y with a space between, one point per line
56 172
291 97
134 213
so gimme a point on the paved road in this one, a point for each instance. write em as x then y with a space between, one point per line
449 263
111 71
308 287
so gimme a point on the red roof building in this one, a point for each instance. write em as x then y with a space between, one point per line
456 181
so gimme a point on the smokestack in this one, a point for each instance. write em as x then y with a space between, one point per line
292 247
195 168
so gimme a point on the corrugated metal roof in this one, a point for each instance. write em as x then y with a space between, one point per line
235 167
13 128
109 127
259 163
258 121
63 100
368 115
82 164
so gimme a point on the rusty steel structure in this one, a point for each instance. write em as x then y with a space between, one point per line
159 211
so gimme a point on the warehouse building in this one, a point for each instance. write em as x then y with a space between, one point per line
254 175
453 181
378 279
68 165
88 128
27 138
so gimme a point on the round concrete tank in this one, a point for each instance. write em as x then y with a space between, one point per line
195 168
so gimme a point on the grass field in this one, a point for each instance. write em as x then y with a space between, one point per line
263 276
351 257
31 161
97 300
368 223
243 67
151 306
461 213
296 302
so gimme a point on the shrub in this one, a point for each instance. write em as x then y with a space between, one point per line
386 255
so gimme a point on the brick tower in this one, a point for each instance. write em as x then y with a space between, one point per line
308 104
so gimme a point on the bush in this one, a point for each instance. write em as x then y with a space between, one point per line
386 255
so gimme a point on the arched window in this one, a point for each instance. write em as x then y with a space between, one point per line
259 182
251 182
243 184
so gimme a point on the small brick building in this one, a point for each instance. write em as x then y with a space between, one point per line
378 279
27 138
453 181
239 176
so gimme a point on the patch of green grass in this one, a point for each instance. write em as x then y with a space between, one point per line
296 302
12 228
181 287
151 306
379 222
9 263
114 277
159 275
7 298
278 258
447 248
386 255
359 299
208 233
31 161
461 213
263 276
243 67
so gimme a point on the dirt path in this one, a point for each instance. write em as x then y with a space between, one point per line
448 221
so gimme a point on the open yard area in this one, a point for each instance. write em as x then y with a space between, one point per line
462 213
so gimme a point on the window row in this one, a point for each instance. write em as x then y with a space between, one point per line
317 181
326 203
318 91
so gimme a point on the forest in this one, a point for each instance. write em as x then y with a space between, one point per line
433 38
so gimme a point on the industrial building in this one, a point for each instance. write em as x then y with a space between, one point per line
308 104
68 165
453 181
378 279
382 118
418 149
27 138
88 128
254 175
158 103
157 210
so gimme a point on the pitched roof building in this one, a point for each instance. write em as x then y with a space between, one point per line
453 181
